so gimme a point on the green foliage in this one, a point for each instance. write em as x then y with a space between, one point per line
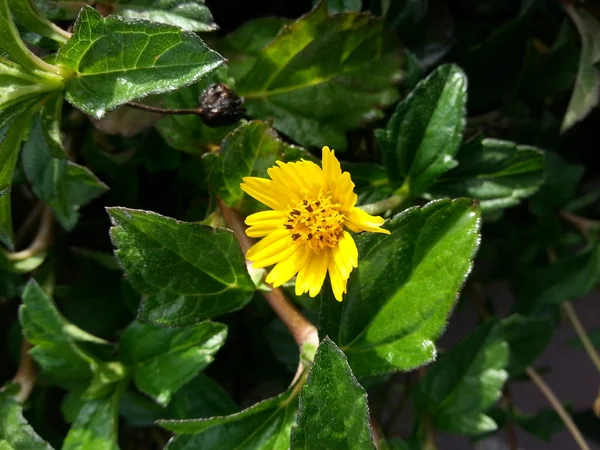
469 128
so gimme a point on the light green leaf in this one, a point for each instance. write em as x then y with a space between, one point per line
62 10
188 272
497 173
188 132
341 6
242 46
264 426
333 409
9 152
248 151
190 15
566 279
115 60
60 183
59 347
96 425
15 432
527 337
323 76
28 15
154 351
587 84
405 286
466 381
424 133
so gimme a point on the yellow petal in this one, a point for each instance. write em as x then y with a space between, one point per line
344 192
358 220
305 174
277 252
346 255
264 191
319 268
338 283
265 222
286 178
267 242
331 168
287 268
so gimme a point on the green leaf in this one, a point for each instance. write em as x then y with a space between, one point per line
18 85
154 352
28 15
242 46
566 279
459 388
15 432
340 6
96 425
527 337
587 84
323 76
497 173
202 397
333 409
190 15
405 286
248 151
423 136
188 132
60 183
188 272
9 152
263 426
115 60
60 348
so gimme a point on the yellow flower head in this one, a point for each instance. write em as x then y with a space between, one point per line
304 233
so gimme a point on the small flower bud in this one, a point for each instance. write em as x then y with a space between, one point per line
220 106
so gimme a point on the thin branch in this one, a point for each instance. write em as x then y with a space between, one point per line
384 205
41 241
558 407
508 405
428 428
25 375
172 112
29 221
582 224
301 329
571 314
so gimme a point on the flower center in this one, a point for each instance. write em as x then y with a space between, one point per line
317 222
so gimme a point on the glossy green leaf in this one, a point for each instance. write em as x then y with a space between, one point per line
15 432
244 44
200 398
59 347
96 425
405 286
60 183
322 76
151 58
497 173
10 145
587 84
154 351
264 426
190 15
248 151
340 6
458 389
63 10
423 136
188 132
333 410
182 283
527 337
27 13
18 85
567 279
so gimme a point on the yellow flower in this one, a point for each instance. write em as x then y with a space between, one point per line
304 233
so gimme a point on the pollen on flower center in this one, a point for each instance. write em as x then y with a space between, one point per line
316 221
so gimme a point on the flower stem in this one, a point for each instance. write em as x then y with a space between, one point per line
384 205
41 241
25 375
301 329
558 407
571 314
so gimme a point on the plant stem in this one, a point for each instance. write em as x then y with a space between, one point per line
507 404
558 407
172 112
301 329
571 314
384 205
41 241
582 224
25 375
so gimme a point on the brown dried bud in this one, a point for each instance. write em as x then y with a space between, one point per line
220 106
